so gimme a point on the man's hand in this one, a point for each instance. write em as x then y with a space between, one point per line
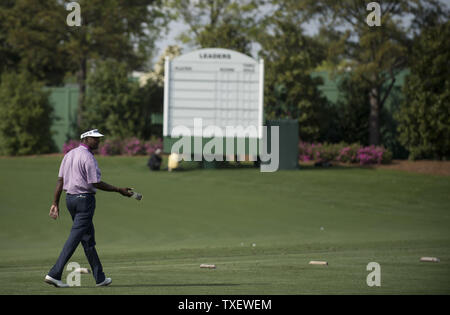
54 212
54 209
127 192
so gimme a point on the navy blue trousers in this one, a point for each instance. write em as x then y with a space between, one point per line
81 208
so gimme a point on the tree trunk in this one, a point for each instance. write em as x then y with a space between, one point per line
81 78
374 118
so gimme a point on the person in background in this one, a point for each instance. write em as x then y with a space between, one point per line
155 161
173 162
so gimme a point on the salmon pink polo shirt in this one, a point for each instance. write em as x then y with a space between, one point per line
79 170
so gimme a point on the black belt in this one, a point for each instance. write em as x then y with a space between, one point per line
82 194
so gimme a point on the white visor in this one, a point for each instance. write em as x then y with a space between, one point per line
91 133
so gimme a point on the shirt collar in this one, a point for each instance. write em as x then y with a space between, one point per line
87 147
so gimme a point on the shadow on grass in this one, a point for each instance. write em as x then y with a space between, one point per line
143 285
300 167
186 166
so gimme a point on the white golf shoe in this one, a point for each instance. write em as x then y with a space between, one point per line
106 282
56 283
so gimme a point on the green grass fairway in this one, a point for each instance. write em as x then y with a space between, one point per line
259 229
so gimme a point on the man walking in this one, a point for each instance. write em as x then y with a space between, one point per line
80 176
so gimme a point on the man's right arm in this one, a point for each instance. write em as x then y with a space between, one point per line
54 209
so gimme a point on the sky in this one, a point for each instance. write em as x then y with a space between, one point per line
178 27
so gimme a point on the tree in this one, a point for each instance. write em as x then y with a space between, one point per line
424 118
32 39
25 116
152 90
374 54
157 75
352 116
113 103
289 58
218 23
228 35
123 30
151 97
34 36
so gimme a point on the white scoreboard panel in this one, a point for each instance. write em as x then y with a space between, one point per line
220 86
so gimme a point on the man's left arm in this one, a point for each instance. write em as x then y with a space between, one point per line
107 187
94 177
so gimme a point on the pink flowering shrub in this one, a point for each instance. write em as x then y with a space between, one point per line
133 146
370 155
152 145
318 151
373 155
110 147
309 151
130 147
349 154
342 152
